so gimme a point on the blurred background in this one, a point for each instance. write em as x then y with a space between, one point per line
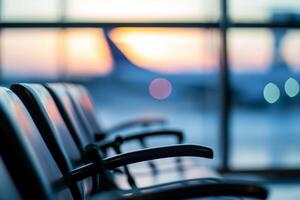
224 71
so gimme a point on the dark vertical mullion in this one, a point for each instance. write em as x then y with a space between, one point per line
225 90
1 41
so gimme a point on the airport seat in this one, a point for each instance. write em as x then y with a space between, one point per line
85 110
83 136
37 175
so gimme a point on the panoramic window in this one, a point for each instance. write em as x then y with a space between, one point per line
112 45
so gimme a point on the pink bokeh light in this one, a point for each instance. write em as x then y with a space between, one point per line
160 88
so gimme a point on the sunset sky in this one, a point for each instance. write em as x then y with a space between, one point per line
43 52
164 50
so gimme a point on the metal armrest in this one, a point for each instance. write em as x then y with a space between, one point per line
100 165
140 156
144 135
107 143
136 122
141 137
81 173
157 153
205 190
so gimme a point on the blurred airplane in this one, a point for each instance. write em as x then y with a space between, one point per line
247 88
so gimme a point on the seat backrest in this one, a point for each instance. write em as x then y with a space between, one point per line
70 115
54 131
25 153
8 189
83 103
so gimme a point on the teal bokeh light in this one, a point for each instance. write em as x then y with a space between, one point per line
291 87
271 93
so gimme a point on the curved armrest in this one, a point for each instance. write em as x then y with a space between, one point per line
136 122
80 173
141 137
157 153
144 135
104 144
205 190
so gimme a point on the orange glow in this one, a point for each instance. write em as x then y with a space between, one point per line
168 50
250 50
29 53
87 53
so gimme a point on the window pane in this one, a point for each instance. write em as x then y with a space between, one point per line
143 10
257 57
50 53
163 71
290 48
29 53
264 10
169 50
86 53
30 10
265 84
